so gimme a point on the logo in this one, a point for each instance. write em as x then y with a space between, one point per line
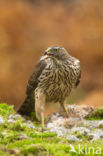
85 149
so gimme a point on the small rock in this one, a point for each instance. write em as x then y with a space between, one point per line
2 121
50 125
81 130
4 133
91 124
16 116
60 133
93 136
31 126
29 121
99 132
72 138
100 124
11 121
22 136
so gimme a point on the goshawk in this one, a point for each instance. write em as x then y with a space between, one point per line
52 80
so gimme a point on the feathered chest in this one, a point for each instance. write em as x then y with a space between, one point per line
57 81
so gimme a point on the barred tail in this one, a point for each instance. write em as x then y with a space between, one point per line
27 107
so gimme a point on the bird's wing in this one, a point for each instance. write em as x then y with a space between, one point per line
33 81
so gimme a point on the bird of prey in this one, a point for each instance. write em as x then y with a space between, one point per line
52 80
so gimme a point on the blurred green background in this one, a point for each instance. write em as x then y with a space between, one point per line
28 27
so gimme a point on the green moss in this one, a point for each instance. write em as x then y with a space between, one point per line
6 110
37 143
83 137
96 115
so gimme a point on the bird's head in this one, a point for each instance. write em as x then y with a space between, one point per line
59 54
56 53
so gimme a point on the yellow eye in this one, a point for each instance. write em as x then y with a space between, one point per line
56 50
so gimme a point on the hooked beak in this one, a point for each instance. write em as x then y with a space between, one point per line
46 55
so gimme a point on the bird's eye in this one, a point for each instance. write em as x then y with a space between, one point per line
48 50
56 50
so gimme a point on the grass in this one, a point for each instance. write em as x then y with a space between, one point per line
37 143
97 114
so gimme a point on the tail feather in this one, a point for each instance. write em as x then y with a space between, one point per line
27 107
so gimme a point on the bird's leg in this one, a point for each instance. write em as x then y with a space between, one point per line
40 106
42 120
64 108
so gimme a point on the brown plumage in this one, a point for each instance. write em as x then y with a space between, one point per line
52 80
29 104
